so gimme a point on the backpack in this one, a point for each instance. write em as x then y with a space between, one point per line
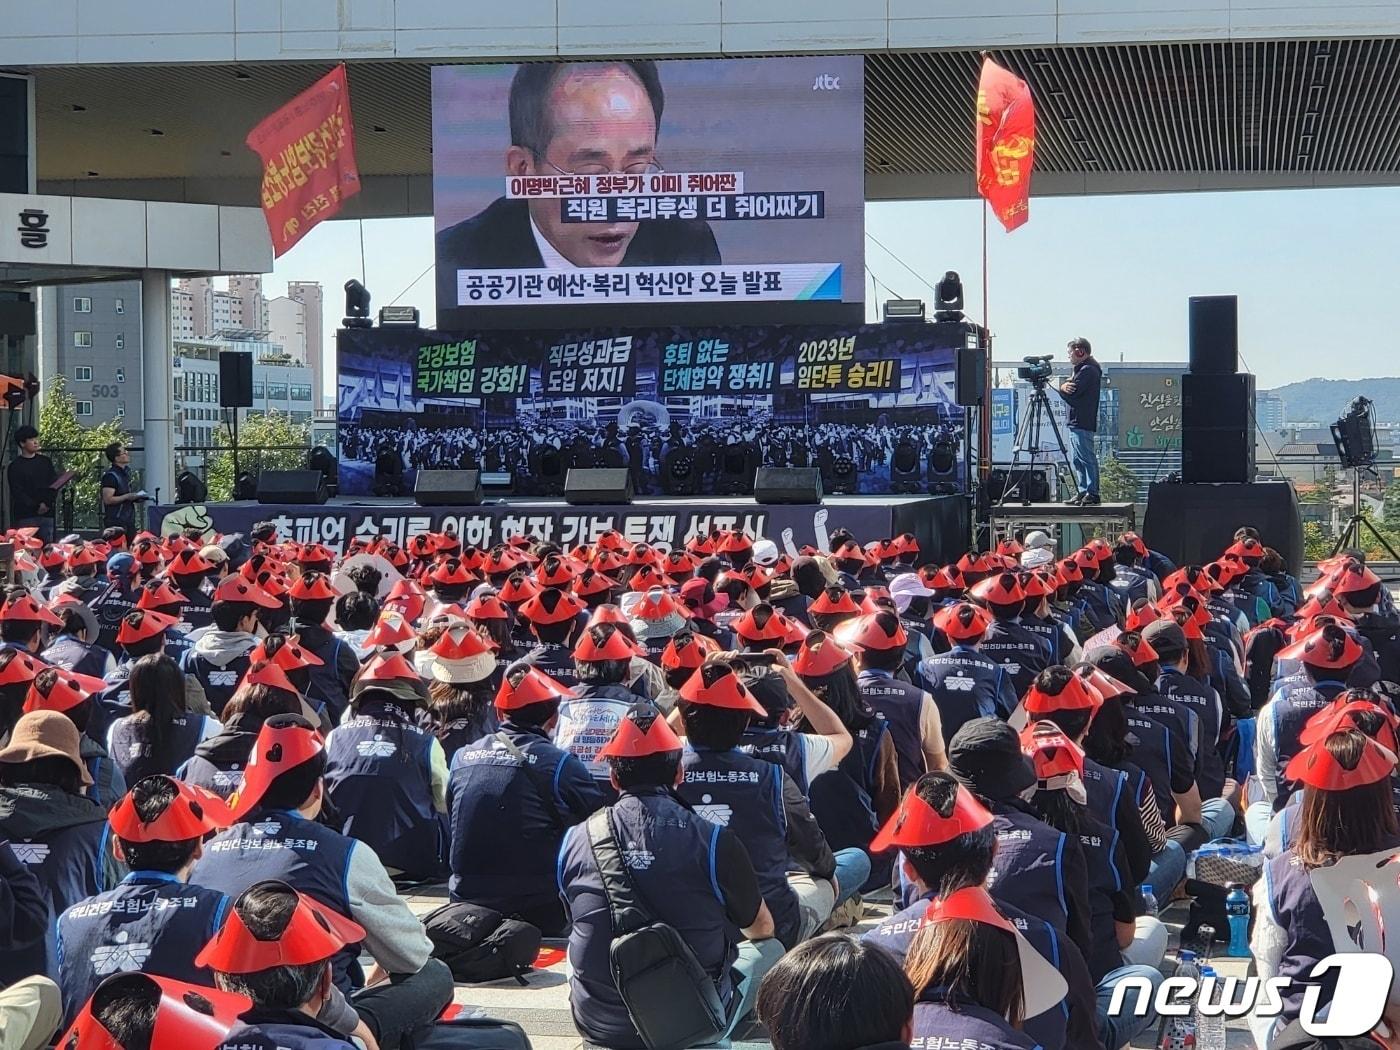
480 944
670 998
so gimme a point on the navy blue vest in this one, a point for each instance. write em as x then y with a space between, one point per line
1131 583
1020 652
1047 1028
900 705
966 685
1052 631
1028 870
586 725
110 607
670 854
1102 607
781 746
197 611
219 682
282 845
326 685
1295 700
842 799
288 1036
1104 860
201 772
971 1027
1204 701
557 661
379 786
745 794
130 754
1153 752
1103 787
504 834
151 922
76 655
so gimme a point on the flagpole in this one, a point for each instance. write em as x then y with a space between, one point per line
984 462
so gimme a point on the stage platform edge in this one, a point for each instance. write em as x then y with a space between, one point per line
942 524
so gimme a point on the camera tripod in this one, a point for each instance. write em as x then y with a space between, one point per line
1358 526
1028 442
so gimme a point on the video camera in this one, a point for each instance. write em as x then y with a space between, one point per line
1036 370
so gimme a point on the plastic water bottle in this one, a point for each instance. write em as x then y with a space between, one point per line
1237 910
1210 1028
1179 1033
1149 901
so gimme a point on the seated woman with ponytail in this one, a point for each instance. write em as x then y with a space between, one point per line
1347 811
975 978
159 735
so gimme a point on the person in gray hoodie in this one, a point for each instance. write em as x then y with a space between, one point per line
220 654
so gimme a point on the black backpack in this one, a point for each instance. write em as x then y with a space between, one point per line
671 999
469 1033
480 944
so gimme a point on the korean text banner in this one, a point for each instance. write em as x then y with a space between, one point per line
690 411
308 154
641 192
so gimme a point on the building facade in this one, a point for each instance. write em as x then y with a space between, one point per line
94 331
313 302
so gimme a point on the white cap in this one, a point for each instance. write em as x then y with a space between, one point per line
905 587
1038 538
765 552
1035 557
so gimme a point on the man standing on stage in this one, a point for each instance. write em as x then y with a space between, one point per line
31 479
1081 396
118 501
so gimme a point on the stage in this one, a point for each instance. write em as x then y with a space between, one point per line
941 523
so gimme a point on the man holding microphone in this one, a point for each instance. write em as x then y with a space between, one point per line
1081 396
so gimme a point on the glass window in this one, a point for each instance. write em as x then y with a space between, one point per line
179 388
121 409
121 375
301 392
82 338
120 305
277 391
84 408
258 390
82 373
82 305
121 341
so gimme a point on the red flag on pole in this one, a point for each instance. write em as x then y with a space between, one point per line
1005 143
308 155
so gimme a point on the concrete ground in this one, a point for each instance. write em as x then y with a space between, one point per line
541 1006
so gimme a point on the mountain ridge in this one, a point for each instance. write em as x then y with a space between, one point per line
1322 400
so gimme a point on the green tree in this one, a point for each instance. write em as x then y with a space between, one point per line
78 448
258 439
1117 482
1390 508
1317 541
1324 493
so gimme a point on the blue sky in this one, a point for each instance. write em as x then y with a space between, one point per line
1315 271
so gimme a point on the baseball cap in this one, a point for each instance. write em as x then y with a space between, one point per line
905 587
985 755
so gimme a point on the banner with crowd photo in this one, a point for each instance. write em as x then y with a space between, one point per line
690 412
638 192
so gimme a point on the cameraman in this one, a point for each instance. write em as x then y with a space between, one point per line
1081 395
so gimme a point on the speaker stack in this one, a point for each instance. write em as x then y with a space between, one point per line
1217 402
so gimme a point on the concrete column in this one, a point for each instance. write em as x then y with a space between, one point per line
157 375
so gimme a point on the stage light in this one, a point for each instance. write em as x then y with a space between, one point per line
948 298
356 306
943 466
905 474
548 471
190 489
903 311
245 486
678 474
388 474
322 459
736 469
841 479
1355 435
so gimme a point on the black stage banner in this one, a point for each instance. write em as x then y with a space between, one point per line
938 522
690 411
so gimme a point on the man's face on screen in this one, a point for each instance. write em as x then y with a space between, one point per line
602 121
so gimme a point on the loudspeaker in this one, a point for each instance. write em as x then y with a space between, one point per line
1217 401
441 488
585 485
235 379
291 486
1192 524
787 485
1217 428
970 377
1214 334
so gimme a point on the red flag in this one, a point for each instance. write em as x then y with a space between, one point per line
308 154
1005 143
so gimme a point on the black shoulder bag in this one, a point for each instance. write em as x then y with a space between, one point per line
671 999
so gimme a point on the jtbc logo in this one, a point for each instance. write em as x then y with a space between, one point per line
826 82
33 228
